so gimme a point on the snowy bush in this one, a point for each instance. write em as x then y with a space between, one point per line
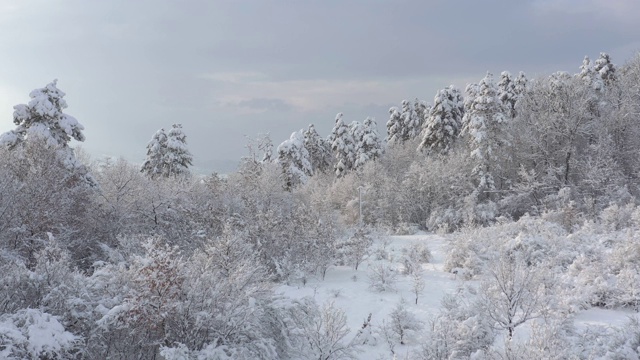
617 217
354 249
458 330
31 333
414 256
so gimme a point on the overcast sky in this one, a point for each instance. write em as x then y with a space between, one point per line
230 69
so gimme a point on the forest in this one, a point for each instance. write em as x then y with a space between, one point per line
532 184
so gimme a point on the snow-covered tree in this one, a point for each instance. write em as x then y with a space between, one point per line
422 109
266 146
411 123
322 331
394 126
406 123
355 248
444 121
556 124
382 276
178 157
343 147
605 68
167 154
368 146
512 292
403 323
417 284
507 94
520 85
483 118
319 150
294 159
589 76
154 165
43 119
356 129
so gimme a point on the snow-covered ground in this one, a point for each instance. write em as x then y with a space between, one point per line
350 290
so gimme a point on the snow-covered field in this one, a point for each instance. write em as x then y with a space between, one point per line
350 291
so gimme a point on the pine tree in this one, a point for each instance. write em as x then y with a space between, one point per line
319 150
422 110
178 158
520 85
444 121
167 154
343 147
293 157
411 123
356 129
605 68
471 92
369 146
153 166
589 76
483 118
43 119
394 126
507 94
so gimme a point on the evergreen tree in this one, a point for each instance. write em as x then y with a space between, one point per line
394 126
470 91
293 157
483 119
167 154
343 147
178 158
422 110
319 150
356 129
43 119
153 166
507 94
605 68
520 87
444 121
411 123
368 146
589 76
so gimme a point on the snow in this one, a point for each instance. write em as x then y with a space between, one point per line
357 299
350 291
598 316
38 333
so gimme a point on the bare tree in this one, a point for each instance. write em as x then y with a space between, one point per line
512 292
382 277
417 284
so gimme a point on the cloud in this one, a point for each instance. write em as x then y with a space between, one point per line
265 104
255 92
611 10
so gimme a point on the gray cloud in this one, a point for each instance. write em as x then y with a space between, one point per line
264 104
226 69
